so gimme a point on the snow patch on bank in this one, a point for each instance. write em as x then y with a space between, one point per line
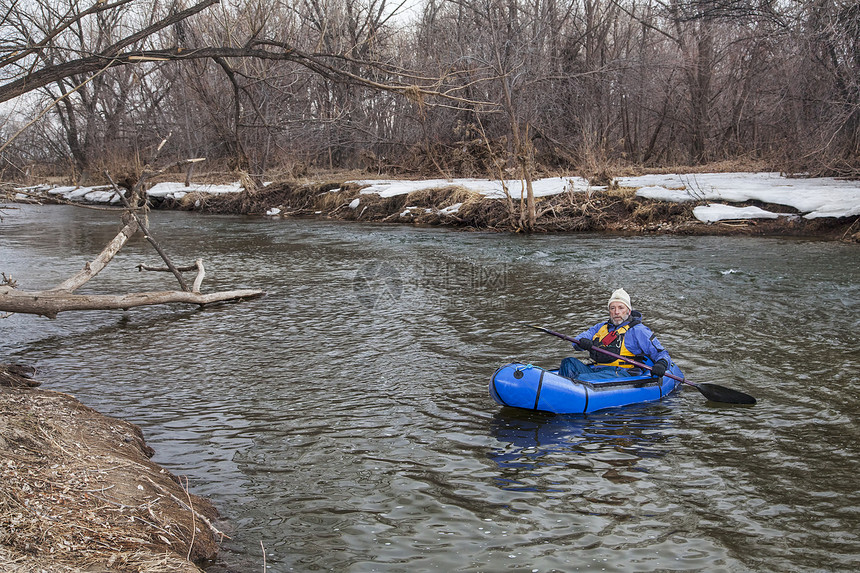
814 197
490 188
173 190
712 213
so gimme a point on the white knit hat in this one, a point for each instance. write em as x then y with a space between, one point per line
620 295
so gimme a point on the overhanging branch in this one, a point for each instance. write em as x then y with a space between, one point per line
313 62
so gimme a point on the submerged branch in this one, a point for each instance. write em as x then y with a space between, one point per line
142 224
197 266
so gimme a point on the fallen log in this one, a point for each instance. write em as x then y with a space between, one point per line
62 298
51 302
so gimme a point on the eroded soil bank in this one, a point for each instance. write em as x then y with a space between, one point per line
615 210
78 491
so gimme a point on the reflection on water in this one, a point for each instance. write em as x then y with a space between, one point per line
343 421
535 442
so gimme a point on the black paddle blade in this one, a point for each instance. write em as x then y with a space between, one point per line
717 393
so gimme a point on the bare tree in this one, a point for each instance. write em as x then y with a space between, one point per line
506 51
828 38
557 83
25 69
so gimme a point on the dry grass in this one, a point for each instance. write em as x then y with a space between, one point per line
741 164
442 197
621 192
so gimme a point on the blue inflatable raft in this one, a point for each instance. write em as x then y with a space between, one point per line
533 388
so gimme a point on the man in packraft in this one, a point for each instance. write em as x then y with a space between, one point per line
623 334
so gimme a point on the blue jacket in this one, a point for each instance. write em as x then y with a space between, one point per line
639 339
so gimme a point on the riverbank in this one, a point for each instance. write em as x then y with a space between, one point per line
705 203
78 491
618 210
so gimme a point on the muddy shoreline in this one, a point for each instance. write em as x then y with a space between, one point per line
614 211
78 491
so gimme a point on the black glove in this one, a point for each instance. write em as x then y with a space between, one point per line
585 343
659 368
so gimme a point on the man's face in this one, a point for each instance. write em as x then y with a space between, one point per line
618 312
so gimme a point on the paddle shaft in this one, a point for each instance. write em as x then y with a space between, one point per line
713 392
612 354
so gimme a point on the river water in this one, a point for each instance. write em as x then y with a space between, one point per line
343 423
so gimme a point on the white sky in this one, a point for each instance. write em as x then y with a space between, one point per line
813 197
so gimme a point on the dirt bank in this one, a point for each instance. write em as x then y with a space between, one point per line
616 210
78 492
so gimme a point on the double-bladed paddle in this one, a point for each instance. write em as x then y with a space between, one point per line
713 392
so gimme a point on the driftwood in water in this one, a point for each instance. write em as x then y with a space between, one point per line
62 298
18 376
51 302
